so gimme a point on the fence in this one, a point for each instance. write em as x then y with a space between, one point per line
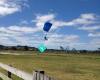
37 75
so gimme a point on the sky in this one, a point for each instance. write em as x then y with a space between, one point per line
76 23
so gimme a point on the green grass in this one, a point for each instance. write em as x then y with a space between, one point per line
1 79
59 66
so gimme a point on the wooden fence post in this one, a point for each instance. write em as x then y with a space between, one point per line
9 73
39 75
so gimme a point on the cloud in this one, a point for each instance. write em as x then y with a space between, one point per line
27 35
91 24
90 28
63 38
89 16
26 29
94 43
56 40
18 29
24 22
96 34
17 35
11 6
41 19
82 20
23 37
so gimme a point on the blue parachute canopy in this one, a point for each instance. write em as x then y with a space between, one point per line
47 26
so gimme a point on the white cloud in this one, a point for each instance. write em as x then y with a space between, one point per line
92 24
41 19
25 35
10 6
95 41
82 20
93 44
18 29
22 36
18 35
24 22
54 40
85 19
89 16
90 28
96 34
57 40
26 29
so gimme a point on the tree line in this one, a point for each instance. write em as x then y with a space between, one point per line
19 47
60 50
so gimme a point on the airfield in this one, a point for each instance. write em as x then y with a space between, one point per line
59 66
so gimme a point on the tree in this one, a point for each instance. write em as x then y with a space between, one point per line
67 49
26 48
13 48
1 47
98 49
61 48
74 50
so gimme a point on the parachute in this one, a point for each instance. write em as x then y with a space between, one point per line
46 28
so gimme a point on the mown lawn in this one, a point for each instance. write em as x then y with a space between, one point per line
61 67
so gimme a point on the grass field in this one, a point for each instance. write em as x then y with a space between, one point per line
59 66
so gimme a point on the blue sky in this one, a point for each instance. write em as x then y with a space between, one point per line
76 23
